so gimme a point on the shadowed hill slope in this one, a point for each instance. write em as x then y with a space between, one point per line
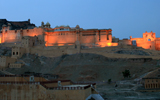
93 67
85 66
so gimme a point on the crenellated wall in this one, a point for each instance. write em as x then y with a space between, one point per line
148 41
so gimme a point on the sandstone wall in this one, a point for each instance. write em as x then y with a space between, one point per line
21 79
38 92
9 36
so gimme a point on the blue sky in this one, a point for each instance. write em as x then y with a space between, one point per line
125 17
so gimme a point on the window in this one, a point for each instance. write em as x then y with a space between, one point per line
107 37
156 86
13 53
149 39
16 53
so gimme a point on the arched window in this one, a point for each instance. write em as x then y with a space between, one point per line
149 39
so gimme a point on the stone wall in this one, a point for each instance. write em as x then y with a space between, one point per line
9 36
17 52
152 83
6 61
13 65
54 51
20 79
35 91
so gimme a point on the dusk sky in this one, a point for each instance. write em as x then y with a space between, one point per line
125 17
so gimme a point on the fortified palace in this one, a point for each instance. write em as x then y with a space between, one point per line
25 37
25 34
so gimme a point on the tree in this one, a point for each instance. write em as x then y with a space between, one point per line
126 73
109 81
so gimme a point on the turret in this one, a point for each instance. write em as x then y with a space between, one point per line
9 26
47 25
29 20
42 24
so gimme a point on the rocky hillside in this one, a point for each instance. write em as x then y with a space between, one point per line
84 66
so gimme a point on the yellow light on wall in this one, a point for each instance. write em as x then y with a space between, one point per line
109 44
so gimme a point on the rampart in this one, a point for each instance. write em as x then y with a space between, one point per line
45 90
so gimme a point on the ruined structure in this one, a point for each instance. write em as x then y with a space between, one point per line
38 88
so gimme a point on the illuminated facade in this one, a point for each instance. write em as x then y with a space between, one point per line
148 41
64 35
13 32
58 36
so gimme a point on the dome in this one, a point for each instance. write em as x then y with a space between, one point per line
77 26
48 23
